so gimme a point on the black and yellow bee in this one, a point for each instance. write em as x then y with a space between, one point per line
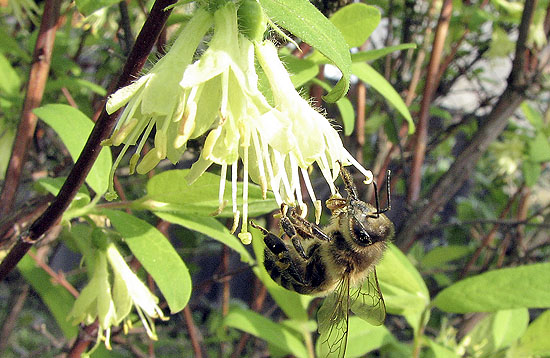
337 261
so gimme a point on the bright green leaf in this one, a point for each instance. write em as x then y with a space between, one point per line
86 7
170 192
441 255
56 297
535 341
74 127
356 22
531 172
363 338
498 290
539 148
301 70
157 255
53 185
533 116
10 83
369 75
402 286
302 19
210 227
263 328
372 55
440 351
496 331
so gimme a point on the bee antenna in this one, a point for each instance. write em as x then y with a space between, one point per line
388 196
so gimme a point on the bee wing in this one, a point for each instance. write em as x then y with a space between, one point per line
333 318
367 301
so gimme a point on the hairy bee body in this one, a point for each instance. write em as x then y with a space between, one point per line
328 261
337 261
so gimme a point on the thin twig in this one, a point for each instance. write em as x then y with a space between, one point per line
192 329
11 320
37 83
421 134
103 127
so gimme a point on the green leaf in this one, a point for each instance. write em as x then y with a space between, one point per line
74 127
56 298
522 286
369 75
293 304
170 192
11 83
356 22
263 328
441 255
210 227
535 341
440 351
533 116
496 332
344 106
372 55
531 172
86 7
539 148
301 70
363 338
302 19
402 287
157 255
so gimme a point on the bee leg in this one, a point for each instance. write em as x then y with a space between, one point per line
306 229
278 260
290 231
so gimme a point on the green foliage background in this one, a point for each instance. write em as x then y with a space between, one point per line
474 283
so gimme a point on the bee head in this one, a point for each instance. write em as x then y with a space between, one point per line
366 225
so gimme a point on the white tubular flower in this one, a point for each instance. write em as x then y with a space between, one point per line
157 100
316 141
111 304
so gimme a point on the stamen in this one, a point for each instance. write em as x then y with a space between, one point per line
272 180
221 191
284 177
210 141
369 177
316 203
236 212
225 94
323 165
263 181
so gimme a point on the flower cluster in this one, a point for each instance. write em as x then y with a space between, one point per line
110 303
276 141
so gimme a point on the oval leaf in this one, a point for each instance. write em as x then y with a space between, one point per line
302 19
261 327
356 22
158 257
402 286
171 192
523 286
535 341
210 227
74 127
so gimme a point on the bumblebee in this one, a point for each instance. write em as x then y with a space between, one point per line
337 261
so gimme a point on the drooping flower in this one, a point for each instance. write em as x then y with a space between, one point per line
111 303
156 100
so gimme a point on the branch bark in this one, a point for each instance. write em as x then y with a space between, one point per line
519 82
103 127
37 82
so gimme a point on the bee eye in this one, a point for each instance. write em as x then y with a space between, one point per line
360 234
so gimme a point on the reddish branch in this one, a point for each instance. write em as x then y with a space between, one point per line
429 89
519 82
37 82
103 127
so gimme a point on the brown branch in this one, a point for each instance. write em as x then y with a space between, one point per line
192 329
58 278
492 125
37 83
11 320
421 135
103 127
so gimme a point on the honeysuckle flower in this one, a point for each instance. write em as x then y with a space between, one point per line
157 100
110 303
